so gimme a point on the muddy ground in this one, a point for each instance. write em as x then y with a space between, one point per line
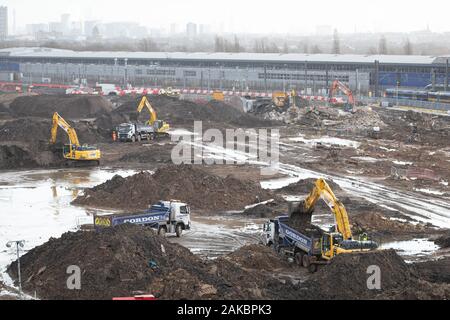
128 260
408 155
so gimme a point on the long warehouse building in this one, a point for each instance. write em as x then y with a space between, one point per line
310 73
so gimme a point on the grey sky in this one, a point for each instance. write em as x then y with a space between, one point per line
293 16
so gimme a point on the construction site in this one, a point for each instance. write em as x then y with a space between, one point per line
90 181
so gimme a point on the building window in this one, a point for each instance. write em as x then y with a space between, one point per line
189 73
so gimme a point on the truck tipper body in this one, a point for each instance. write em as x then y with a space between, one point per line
135 132
165 216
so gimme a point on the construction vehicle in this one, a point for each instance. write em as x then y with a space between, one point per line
135 132
351 102
75 153
168 217
169 92
315 246
160 127
280 99
218 96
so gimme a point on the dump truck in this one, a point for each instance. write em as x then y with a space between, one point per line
314 246
160 127
135 132
167 217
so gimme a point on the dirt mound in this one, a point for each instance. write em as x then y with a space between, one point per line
35 130
12 157
268 210
182 112
444 240
375 223
258 257
130 259
185 183
113 262
434 271
69 107
305 186
347 275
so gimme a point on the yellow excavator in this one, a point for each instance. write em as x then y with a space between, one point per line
340 240
161 127
310 245
74 152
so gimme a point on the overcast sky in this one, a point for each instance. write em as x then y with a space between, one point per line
286 16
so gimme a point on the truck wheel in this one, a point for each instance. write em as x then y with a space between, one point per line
305 261
162 231
179 230
133 139
299 258
139 138
312 268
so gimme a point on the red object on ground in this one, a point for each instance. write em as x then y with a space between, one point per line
135 298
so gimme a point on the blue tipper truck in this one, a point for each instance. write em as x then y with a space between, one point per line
164 216
288 241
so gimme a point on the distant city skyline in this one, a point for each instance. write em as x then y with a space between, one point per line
237 16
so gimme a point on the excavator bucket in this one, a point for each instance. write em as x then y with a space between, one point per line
297 208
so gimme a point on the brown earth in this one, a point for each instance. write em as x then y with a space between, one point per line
130 259
185 183
68 106
345 278
444 240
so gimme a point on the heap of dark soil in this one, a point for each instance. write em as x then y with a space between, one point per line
130 259
268 210
12 156
305 186
257 257
444 240
68 106
346 278
182 112
190 184
434 271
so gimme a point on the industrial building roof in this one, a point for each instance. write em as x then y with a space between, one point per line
248 57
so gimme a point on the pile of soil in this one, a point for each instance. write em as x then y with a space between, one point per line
434 271
375 223
444 240
257 257
182 112
13 156
305 186
186 183
347 275
267 210
129 259
68 106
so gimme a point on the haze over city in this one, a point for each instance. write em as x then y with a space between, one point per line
293 17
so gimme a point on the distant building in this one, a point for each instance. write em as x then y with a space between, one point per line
36 29
205 29
3 22
191 30
324 30
65 23
89 27
55 27
174 28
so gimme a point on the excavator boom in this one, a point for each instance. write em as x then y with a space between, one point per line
74 151
145 103
58 121
322 190
337 85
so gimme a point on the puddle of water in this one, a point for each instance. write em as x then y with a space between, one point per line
416 248
36 205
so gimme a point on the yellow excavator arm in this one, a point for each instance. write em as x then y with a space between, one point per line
146 103
322 190
58 121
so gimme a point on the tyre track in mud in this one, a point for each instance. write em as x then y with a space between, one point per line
414 205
